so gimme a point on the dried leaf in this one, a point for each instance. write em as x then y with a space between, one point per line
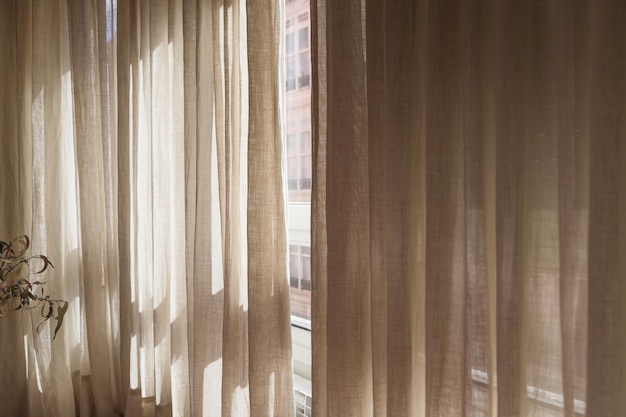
60 315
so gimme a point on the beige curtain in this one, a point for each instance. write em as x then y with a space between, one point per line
38 197
142 149
469 208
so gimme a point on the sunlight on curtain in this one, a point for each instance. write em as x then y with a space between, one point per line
37 136
126 132
194 317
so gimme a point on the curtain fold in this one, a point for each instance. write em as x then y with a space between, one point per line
38 197
467 208
606 362
15 192
144 157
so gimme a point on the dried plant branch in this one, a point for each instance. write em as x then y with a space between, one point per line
17 292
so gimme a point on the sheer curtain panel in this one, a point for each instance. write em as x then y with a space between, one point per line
468 208
142 153
38 198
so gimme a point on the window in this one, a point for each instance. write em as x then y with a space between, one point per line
299 164
298 151
300 280
297 53
299 181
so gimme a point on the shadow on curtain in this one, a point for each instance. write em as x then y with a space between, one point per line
468 208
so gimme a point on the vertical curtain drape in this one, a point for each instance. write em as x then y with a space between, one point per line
468 208
38 198
142 149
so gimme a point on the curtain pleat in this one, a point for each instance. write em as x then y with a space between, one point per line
15 191
467 208
54 202
271 373
606 362
126 131
319 131
98 276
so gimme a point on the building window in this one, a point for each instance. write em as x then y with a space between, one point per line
297 52
299 170
298 142
300 280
